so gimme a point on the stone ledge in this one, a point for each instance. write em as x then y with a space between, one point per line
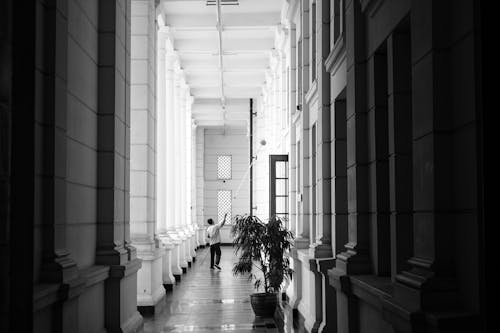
95 274
121 271
47 294
372 289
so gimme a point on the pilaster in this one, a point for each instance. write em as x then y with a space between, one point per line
355 259
143 156
322 246
113 248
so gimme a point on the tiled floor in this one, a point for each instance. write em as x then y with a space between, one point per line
214 301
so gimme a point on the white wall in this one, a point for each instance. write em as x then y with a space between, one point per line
234 142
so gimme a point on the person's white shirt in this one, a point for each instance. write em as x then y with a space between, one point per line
213 232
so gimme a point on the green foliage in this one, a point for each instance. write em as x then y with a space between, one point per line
268 245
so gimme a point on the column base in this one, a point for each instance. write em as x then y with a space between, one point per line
353 263
301 243
310 304
329 304
296 285
151 310
184 270
149 278
420 289
120 290
133 325
168 287
320 251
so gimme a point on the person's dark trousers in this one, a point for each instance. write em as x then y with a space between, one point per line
215 252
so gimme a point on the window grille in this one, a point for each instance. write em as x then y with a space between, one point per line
224 205
224 167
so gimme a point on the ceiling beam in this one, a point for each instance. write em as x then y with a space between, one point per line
233 21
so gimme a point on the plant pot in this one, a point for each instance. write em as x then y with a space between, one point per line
264 304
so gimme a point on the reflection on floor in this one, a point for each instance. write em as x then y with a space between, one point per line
215 301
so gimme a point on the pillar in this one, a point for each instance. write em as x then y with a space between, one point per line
163 149
322 247
169 234
354 258
113 243
177 231
302 240
50 187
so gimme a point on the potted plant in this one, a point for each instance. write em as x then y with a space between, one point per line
262 246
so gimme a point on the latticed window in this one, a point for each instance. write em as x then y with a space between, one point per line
224 205
224 167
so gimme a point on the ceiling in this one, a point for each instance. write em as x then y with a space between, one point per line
222 85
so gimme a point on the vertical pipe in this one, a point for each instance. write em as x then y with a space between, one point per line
251 157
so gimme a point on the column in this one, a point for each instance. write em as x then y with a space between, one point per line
50 170
322 247
200 184
354 259
194 203
292 108
179 107
183 173
150 290
429 283
302 240
171 167
189 174
164 150
112 232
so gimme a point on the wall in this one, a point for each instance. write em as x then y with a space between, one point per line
393 204
79 271
234 142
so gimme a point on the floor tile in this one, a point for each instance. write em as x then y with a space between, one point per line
215 301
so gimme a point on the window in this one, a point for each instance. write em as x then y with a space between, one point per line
278 191
224 205
224 167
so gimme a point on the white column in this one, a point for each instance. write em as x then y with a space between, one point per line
143 221
189 174
164 169
178 160
194 203
171 63
183 188
200 214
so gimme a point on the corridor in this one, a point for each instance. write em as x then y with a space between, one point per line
130 127
214 301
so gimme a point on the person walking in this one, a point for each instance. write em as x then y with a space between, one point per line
213 232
